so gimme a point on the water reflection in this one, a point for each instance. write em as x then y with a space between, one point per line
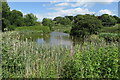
55 39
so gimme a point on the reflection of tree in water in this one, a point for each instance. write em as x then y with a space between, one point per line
77 40
46 37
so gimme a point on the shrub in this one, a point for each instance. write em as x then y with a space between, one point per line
92 61
110 36
11 27
85 25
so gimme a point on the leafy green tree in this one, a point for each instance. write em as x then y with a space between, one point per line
5 14
30 19
16 18
85 25
5 10
48 22
70 17
117 18
62 20
107 20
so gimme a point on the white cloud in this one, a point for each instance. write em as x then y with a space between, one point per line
57 8
72 12
62 4
105 11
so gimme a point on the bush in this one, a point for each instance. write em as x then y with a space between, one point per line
11 27
85 25
110 36
93 62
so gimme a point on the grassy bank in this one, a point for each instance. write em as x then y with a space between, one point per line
26 59
62 28
114 29
42 29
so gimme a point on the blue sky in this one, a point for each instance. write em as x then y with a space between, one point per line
54 9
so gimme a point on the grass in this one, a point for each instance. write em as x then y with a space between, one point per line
110 36
114 29
62 28
26 59
41 29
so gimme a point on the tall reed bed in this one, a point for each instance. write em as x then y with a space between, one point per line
26 59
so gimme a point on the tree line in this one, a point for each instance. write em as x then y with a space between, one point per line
81 24
15 18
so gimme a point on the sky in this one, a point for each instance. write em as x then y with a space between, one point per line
53 9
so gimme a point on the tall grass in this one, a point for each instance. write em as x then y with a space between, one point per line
42 29
110 36
26 59
114 29
29 60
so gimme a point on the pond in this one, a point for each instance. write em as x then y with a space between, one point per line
55 39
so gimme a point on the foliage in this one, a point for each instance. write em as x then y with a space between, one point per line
62 20
42 29
5 14
117 18
85 25
107 20
113 29
16 18
110 36
30 19
93 61
48 22
11 28
26 59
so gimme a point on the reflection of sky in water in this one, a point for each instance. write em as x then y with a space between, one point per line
57 38
40 41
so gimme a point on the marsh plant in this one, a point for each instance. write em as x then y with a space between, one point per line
26 59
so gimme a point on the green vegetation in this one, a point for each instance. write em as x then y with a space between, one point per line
85 25
107 20
30 60
15 18
113 29
93 61
95 57
110 36
42 29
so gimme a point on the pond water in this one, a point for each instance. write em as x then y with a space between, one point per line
55 39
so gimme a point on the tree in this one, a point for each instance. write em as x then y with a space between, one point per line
107 20
16 18
5 14
117 18
48 22
62 20
30 19
70 17
85 25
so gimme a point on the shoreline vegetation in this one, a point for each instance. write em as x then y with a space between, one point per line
30 60
96 57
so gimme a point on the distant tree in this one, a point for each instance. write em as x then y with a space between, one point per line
30 19
107 20
62 20
70 17
117 18
85 25
48 22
